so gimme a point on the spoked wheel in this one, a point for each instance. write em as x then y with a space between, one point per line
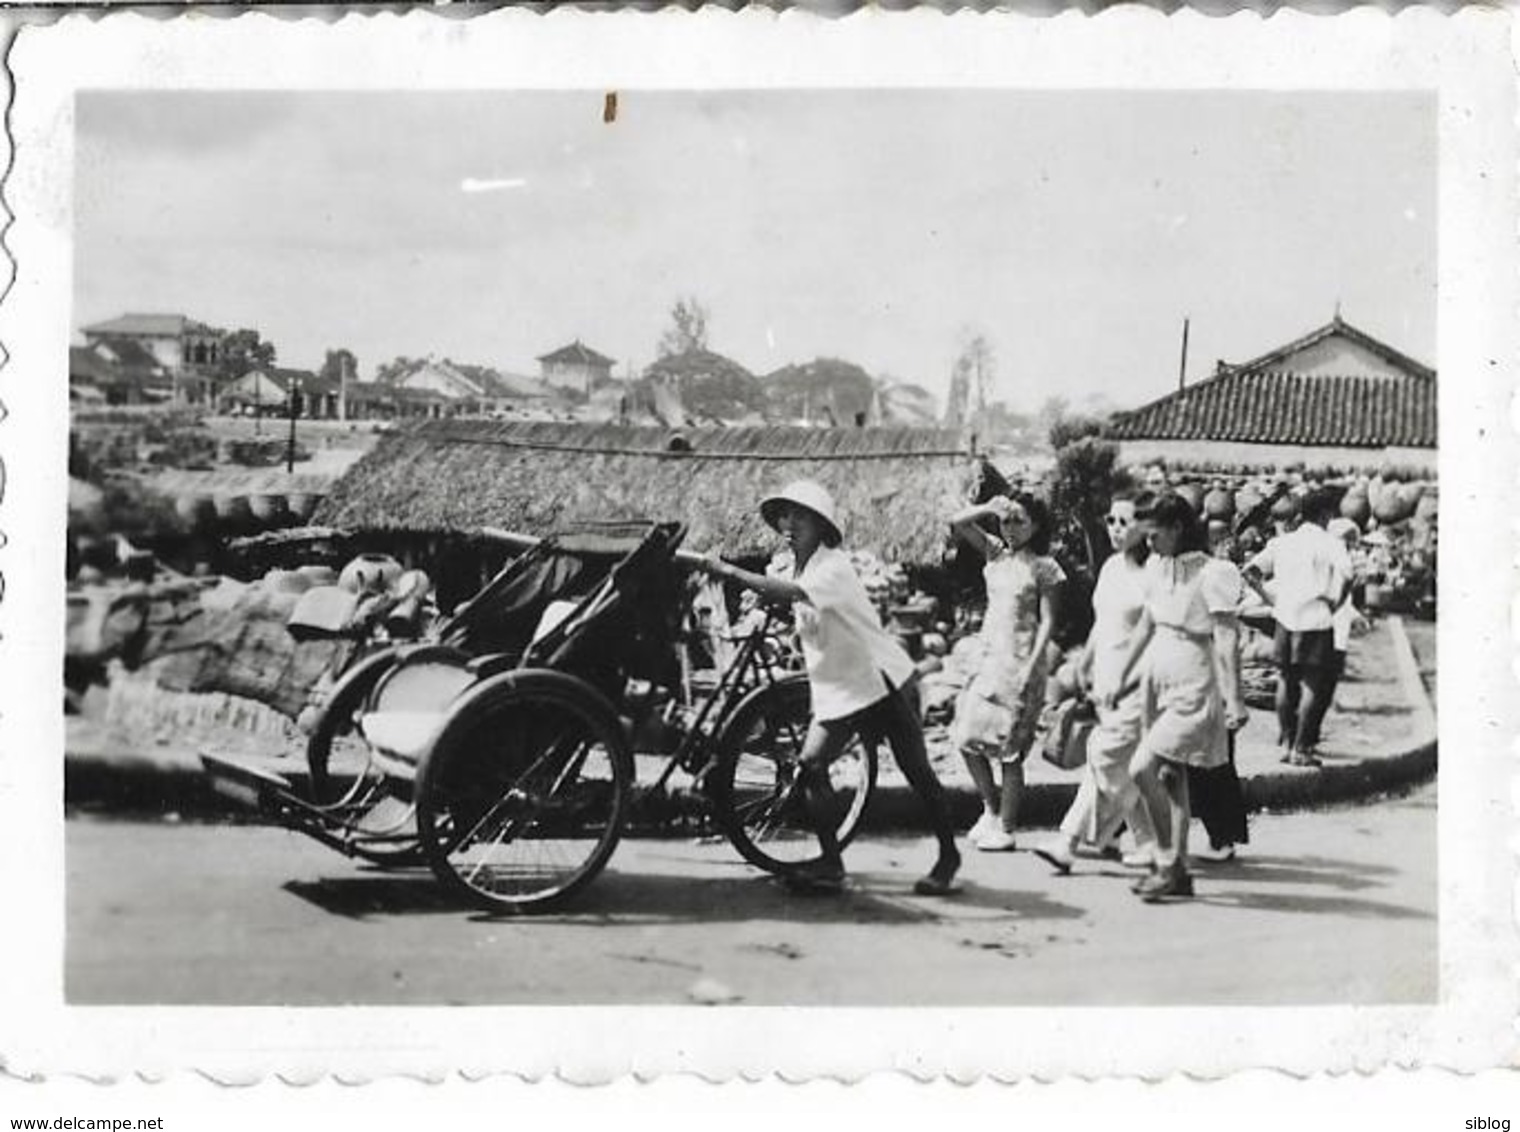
376 809
754 783
522 797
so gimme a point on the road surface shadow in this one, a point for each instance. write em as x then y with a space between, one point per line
666 898
378 894
1347 876
1321 905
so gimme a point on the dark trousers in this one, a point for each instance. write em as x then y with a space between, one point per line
1219 802
894 718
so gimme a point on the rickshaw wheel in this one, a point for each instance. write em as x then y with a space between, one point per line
361 795
753 781
522 797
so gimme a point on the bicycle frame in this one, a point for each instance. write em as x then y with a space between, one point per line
694 752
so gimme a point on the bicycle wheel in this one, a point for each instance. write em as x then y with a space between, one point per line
522 797
377 810
753 781
336 754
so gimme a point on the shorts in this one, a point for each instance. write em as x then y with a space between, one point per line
1313 649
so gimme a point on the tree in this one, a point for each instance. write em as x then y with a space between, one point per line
389 371
981 369
1070 429
244 350
821 388
971 383
340 365
1083 482
687 330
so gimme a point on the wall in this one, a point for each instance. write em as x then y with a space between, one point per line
169 351
1275 455
1337 356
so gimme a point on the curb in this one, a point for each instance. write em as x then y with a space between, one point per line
896 808
138 786
173 782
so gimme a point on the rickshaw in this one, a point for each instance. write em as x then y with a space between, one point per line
502 752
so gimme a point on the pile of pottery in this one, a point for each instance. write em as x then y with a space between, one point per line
243 513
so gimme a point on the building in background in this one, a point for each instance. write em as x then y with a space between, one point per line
576 367
434 387
267 391
1337 397
189 351
117 371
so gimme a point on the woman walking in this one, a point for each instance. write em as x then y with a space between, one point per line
996 715
862 682
1108 796
1191 698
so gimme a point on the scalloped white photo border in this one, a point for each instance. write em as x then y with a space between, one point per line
1467 59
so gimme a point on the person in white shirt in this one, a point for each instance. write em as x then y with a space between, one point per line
1108 796
862 681
1311 575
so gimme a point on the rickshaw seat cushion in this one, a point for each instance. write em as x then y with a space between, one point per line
403 734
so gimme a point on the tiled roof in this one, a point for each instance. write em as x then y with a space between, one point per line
88 367
1262 407
150 326
577 351
130 353
147 325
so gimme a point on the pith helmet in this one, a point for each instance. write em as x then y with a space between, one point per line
804 493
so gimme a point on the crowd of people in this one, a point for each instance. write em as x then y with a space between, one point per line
1160 668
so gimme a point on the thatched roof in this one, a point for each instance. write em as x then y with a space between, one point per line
894 487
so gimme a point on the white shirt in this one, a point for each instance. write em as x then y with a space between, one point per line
1118 600
1310 568
846 650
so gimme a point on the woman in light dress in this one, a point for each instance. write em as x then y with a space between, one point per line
1191 696
1108 796
996 715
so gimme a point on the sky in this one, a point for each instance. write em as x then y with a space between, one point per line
1074 230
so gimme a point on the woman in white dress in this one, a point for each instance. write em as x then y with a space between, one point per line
1191 696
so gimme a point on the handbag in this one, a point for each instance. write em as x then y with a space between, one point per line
1065 741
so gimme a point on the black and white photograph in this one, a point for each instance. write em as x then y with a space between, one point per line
727 545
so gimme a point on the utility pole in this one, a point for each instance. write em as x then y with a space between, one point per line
1182 366
290 447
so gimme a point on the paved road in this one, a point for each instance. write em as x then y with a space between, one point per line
1332 906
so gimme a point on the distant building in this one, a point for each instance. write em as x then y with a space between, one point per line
576 367
436 387
117 372
189 351
267 392
1335 397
